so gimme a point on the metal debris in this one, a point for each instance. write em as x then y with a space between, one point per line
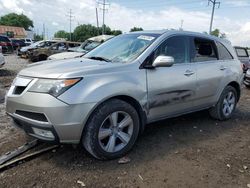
10 155
81 183
27 157
124 160
140 177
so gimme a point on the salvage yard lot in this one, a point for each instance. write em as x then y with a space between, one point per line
188 151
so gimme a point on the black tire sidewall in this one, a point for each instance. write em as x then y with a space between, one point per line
99 115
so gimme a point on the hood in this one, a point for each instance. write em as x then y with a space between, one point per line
26 48
65 55
65 68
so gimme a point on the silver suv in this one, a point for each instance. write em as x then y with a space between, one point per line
105 99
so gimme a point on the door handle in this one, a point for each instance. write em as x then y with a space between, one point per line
223 67
188 73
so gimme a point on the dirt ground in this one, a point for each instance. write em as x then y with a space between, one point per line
188 151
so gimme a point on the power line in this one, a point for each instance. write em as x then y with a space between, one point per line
212 15
70 16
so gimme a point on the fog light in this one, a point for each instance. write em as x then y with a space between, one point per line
43 133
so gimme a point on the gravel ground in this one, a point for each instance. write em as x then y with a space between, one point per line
188 151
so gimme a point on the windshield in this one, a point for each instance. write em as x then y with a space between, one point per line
88 46
123 48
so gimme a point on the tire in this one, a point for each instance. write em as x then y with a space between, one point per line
103 118
42 58
247 86
224 110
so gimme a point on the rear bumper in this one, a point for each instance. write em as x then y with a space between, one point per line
46 112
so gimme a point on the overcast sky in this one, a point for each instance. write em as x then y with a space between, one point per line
232 18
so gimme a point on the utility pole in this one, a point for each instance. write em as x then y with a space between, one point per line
97 20
181 28
70 16
212 16
43 31
104 9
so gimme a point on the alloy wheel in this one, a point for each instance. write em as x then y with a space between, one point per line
116 131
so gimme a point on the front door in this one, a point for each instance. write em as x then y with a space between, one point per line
171 90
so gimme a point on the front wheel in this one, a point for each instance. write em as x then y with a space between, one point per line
225 107
111 130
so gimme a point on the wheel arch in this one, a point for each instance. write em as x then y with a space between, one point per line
132 101
236 86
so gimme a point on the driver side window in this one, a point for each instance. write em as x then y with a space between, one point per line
175 47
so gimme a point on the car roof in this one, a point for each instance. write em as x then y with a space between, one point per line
173 31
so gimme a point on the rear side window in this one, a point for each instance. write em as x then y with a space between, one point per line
224 54
203 50
241 52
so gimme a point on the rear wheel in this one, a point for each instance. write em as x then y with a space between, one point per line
225 107
111 130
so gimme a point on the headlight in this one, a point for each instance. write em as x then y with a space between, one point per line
53 87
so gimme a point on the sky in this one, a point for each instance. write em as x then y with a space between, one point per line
232 17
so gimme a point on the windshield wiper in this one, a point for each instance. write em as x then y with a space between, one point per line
99 58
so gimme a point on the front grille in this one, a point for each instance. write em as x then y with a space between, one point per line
18 90
32 115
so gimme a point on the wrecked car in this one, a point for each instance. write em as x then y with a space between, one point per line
104 100
85 47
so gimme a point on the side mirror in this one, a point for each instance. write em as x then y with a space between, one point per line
163 61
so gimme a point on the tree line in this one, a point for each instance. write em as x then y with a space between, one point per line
85 31
80 33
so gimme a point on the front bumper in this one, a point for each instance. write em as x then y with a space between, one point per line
45 112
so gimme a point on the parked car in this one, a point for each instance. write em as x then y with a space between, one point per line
17 43
2 60
85 47
27 41
243 56
247 79
5 44
40 44
41 54
104 99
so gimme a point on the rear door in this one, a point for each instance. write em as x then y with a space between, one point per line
171 90
209 68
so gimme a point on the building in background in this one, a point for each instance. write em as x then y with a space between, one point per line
13 32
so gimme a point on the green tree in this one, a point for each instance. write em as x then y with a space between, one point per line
62 34
18 20
217 33
136 29
116 32
85 31
38 37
